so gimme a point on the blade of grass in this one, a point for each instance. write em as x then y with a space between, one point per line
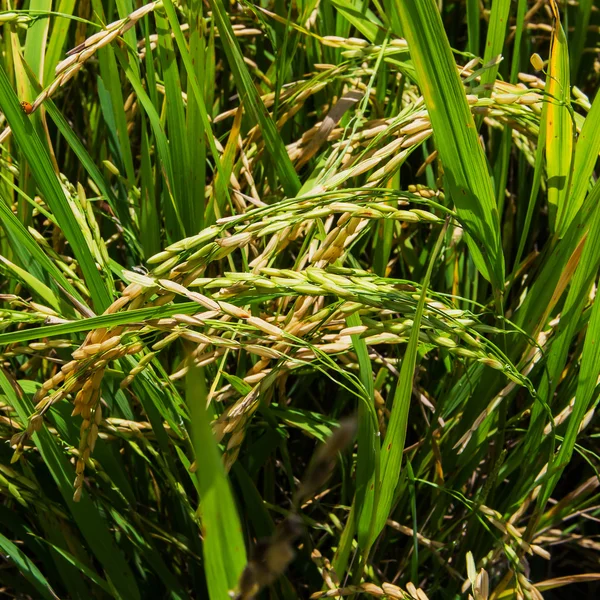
35 286
224 551
577 297
494 42
464 163
161 401
554 275
87 162
81 567
30 254
53 530
216 205
196 114
27 568
520 26
586 386
559 127
45 177
149 213
473 26
119 318
152 556
586 156
124 9
393 444
162 145
180 158
252 102
365 21
34 60
35 41
367 462
414 563
538 172
221 190
112 80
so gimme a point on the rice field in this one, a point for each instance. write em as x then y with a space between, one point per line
297 299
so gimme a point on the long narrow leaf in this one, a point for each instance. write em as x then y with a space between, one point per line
252 102
23 238
559 127
464 163
586 156
393 444
367 464
495 40
27 568
37 156
224 551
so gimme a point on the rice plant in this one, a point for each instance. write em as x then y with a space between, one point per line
297 299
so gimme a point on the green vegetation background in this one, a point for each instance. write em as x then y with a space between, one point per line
297 299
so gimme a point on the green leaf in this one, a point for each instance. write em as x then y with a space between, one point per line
473 26
393 444
581 21
81 567
112 80
520 26
367 462
465 167
176 229
224 550
88 163
252 102
33 149
577 297
189 204
494 43
365 21
27 568
535 186
37 35
586 156
196 113
559 127
197 109
27 246
586 386
34 285
119 318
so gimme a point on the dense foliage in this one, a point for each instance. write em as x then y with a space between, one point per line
297 299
